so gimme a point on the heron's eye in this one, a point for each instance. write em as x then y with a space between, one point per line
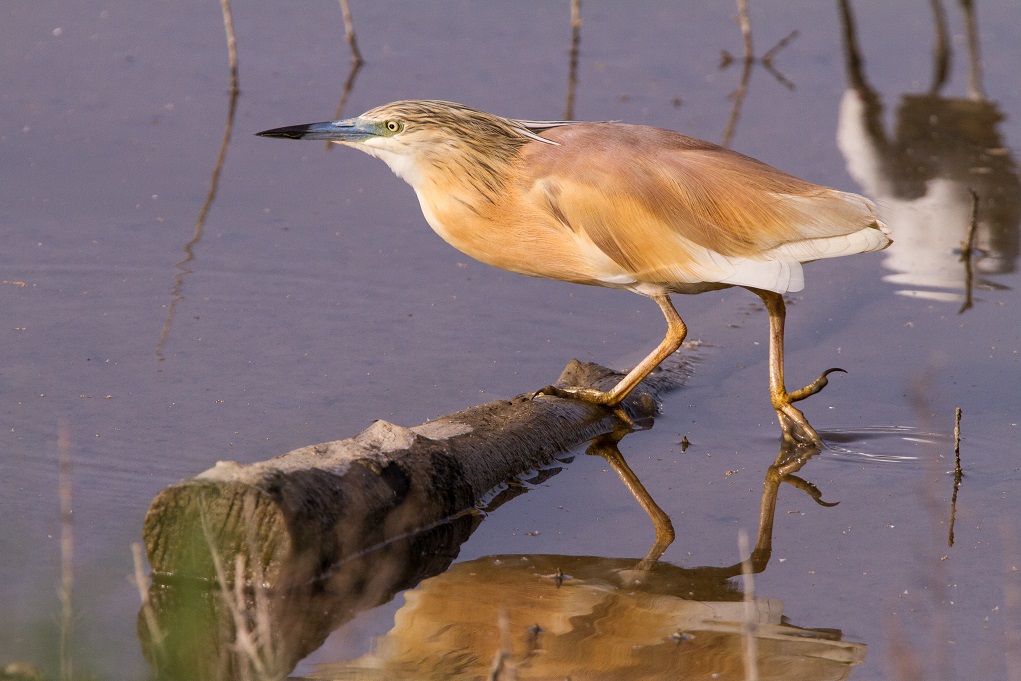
393 127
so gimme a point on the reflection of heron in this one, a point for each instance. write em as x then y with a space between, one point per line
263 607
622 206
560 616
942 149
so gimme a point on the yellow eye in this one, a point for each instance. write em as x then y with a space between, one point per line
394 126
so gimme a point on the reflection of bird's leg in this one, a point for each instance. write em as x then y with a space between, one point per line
606 447
793 455
941 50
791 418
675 333
974 58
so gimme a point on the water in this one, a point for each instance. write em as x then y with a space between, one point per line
316 299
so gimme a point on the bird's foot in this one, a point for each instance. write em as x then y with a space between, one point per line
590 395
792 420
796 427
584 394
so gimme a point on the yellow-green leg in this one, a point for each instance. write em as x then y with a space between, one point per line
675 333
791 419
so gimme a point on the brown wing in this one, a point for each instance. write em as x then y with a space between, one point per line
667 207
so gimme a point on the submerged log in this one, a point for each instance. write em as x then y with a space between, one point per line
293 518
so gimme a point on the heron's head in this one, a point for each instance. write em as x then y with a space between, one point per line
418 137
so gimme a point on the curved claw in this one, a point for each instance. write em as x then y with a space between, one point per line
813 387
809 489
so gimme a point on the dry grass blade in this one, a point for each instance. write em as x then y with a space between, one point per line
255 655
750 628
156 635
65 494
503 668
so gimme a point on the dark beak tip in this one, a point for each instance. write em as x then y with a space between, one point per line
294 132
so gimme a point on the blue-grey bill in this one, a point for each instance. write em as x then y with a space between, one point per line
344 130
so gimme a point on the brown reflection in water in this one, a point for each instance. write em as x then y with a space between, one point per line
621 618
182 268
555 616
923 175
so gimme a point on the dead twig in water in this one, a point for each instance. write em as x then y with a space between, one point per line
349 34
746 28
958 474
232 44
957 437
967 247
767 61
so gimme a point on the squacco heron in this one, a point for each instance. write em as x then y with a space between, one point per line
622 206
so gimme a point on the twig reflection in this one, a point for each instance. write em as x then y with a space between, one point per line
572 71
967 247
182 268
345 93
356 63
941 50
749 60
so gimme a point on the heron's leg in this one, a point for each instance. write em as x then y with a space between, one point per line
790 416
675 333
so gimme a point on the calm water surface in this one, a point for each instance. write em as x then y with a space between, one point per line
315 299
